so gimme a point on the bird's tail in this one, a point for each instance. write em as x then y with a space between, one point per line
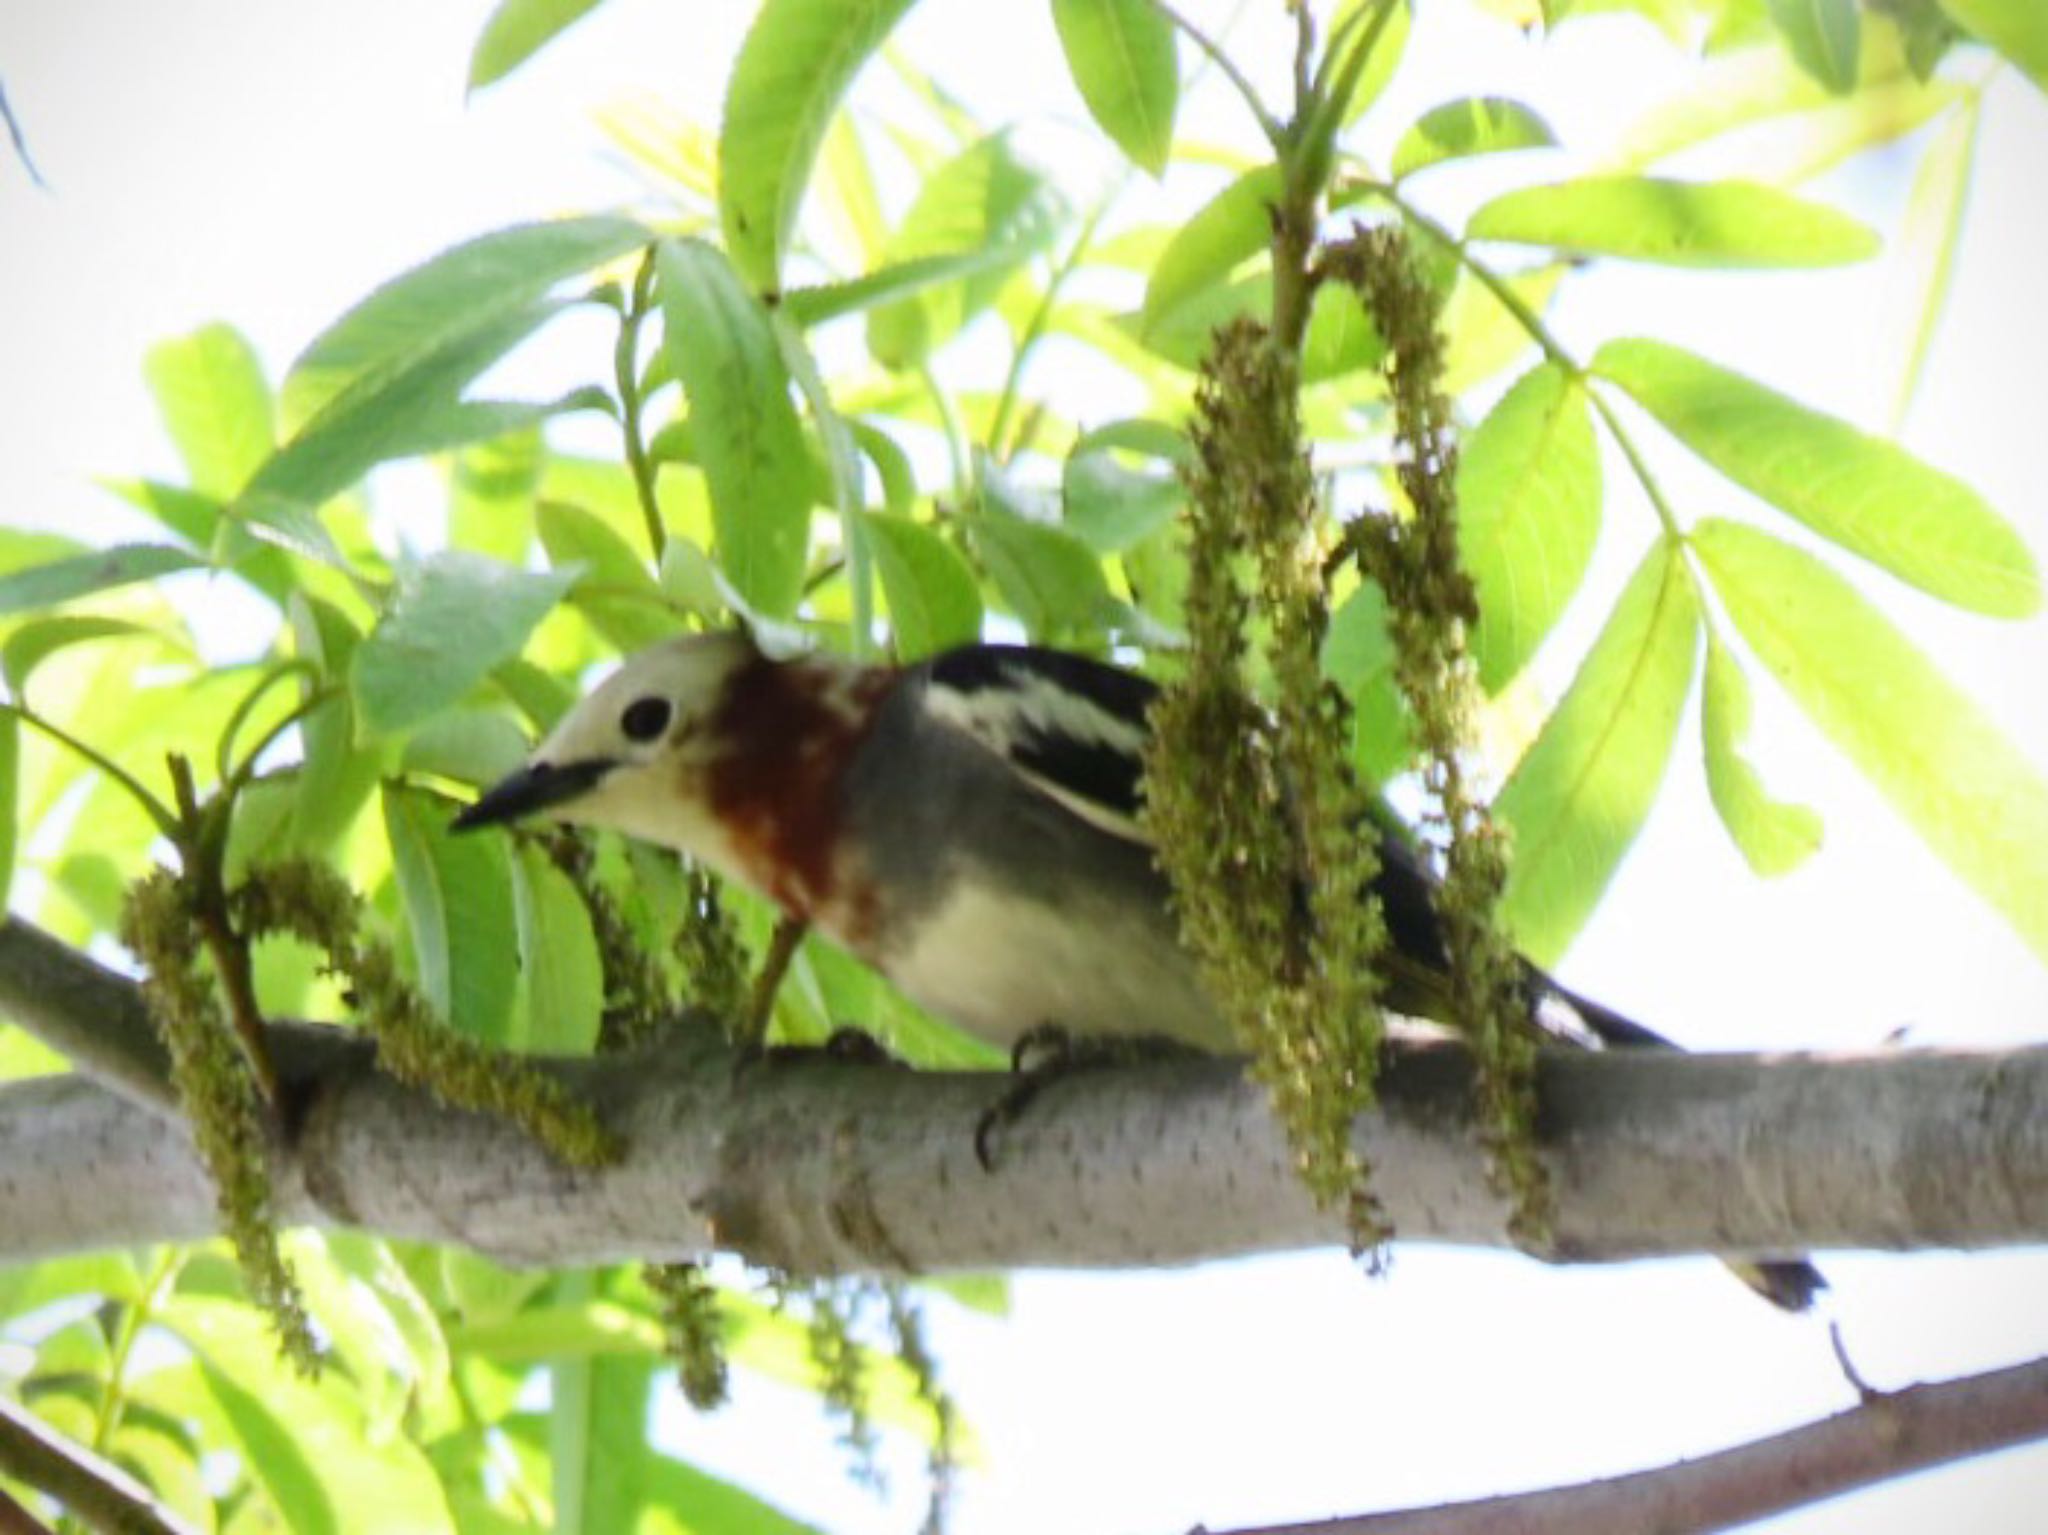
1790 1284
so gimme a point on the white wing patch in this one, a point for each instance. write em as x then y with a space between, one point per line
1032 708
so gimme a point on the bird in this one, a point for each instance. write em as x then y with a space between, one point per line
969 826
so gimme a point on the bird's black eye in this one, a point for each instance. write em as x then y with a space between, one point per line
645 718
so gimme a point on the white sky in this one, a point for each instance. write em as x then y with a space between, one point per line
269 164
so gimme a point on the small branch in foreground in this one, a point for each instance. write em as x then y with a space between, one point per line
103 1496
87 1013
1886 1436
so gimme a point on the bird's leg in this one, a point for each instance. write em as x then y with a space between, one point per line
782 947
1045 1054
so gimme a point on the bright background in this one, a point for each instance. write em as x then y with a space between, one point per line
269 164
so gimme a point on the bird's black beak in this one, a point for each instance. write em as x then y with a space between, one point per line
532 788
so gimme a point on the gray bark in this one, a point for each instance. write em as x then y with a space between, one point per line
824 1166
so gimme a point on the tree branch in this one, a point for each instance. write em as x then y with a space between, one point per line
824 1166
105 1497
91 1015
1887 1436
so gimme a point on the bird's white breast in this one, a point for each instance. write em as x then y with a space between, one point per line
1000 965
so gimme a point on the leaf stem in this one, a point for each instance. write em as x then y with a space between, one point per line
625 370
1041 321
1274 130
166 820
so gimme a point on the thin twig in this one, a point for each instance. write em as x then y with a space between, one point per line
105 1497
1886 1437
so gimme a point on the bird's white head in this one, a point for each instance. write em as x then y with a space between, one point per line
632 756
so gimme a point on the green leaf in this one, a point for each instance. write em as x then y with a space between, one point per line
475 746
454 617
1475 125
516 31
45 586
1358 655
215 402
404 412
1773 836
613 587
1529 512
491 492
1121 55
597 1434
1823 36
900 280
984 198
1341 337
458 908
469 287
35 641
1049 579
682 1500
1379 65
561 1002
304 1444
798 59
335 776
933 600
1112 506
721 344
1941 762
1864 493
1926 248
2016 28
10 794
1680 223
1581 793
1482 336
1225 232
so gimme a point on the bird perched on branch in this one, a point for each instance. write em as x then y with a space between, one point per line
968 826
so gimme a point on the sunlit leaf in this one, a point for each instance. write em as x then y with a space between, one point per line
797 61
1358 655
1113 505
1823 36
614 588
1475 125
1679 223
1581 793
335 775
515 31
901 280
1926 250
749 442
1379 65
458 908
215 402
45 586
1048 578
413 408
984 198
1529 512
454 617
933 600
305 1444
1941 762
1482 335
35 641
1228 230
2016 28
1866 494
468 287
10 791
682 1500
491 492
1774 837
561 1001
1121 55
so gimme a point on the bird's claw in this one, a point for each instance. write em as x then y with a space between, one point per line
1048 1053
